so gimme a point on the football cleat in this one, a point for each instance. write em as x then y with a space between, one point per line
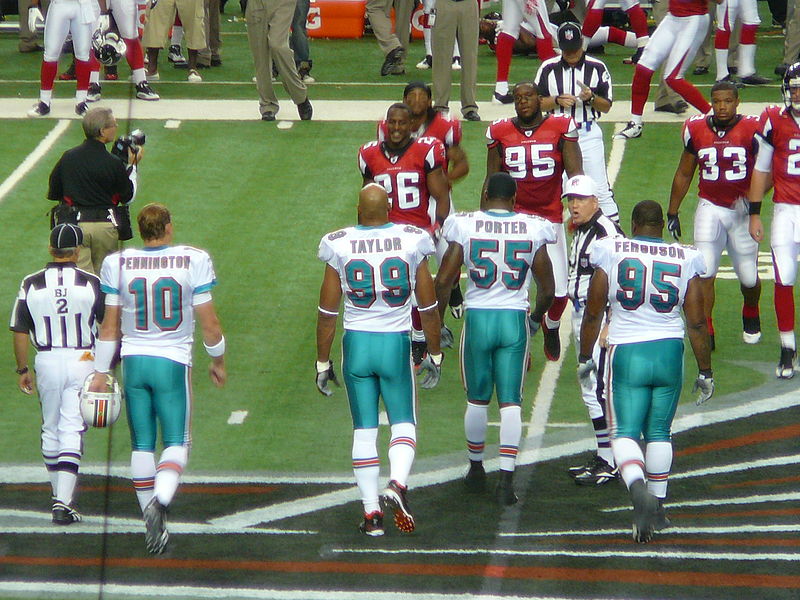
456 302
662 520
787 363
305 110
194 76
418 350
145 92
504 492
372 524
598 473
630 131
578 469
755 79
498 98
64 514
81 108
731 79
552 344
40 109
645 509
456 66
156 535
394 496
751 327
175 56
475 479
94 92
426 63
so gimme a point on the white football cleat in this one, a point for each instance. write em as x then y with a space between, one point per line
751 338
630 131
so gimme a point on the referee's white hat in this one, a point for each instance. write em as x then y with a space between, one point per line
579 185
66 235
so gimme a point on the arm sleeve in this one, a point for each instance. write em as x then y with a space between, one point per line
764 155
604 88
203 277
21 320
435 157
55 190
109 279
600 256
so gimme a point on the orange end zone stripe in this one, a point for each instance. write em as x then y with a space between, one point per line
768 435
774 481
637 576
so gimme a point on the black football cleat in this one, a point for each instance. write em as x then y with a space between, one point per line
156 535
576 470
64 514
662 520
504 493
598 473
475 479
751 330
372 524
393 63
305 110
645 509
394 496
552 343
786 364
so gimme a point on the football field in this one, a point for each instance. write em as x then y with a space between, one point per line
268 508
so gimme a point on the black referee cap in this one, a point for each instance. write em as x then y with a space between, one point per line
66 235
570 36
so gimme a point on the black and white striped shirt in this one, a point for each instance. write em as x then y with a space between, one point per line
59 307
580 269
556 77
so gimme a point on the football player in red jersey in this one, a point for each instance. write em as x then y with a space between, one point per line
778 164
723 146
412 173
536 150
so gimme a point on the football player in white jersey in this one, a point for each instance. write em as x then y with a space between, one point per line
377 266
502 250
646 282
153 296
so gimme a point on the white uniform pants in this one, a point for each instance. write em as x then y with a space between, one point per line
514 13
126 16
590 140
676 41
785 242
592 396
716 229
69 16
558 257
730 10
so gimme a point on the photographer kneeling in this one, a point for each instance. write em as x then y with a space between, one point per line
93 188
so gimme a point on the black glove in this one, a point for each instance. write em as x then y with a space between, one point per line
326 374
674 226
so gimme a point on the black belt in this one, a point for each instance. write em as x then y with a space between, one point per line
90 214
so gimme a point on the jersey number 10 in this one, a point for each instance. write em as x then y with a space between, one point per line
162 305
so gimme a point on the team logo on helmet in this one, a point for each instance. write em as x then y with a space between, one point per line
108 47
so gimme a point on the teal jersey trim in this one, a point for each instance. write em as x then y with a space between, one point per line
384 226
154 248
109 290
205 287
646 238
499 212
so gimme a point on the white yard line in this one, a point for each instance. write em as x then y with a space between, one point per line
34 157
716 502
673 530
742 466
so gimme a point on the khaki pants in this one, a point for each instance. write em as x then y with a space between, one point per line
378 14
455 20
213 39
99 240
28 39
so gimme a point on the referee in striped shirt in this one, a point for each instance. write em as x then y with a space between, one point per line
57 309
580 86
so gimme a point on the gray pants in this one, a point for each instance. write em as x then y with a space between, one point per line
455 20
268 23
213 39
791 45
378 15
28 40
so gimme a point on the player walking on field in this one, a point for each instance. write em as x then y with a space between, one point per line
723 146
377 266
646 282
153 295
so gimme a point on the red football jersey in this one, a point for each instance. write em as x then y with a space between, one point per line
444 129
780 130
687 8
533 158
725 157
404 176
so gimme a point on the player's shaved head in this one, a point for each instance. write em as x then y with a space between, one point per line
373 205
501 186
153 220
647 218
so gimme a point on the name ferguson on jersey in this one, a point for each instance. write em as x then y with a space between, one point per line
370 246
660 250
154 262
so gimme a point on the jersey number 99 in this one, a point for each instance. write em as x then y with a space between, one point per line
394 278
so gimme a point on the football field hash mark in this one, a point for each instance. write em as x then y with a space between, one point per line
237 417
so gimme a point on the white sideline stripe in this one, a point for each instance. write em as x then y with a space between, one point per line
615 156
742 466
237 417
660 554
540 411
722 530
185 591
566 425
30 161
172 124
757 499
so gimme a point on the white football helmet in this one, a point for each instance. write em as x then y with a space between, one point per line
101 409
108 47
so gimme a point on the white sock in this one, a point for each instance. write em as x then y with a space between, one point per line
630 459
426 36
143 473
476 419
501 87
45 96
637 119
138 76
53 482
510 435
80 96
366 467
417 335
658 462
722 62
402 449
642 41
168 473
177 35
549 323
94 76
787 339
747 60
66 486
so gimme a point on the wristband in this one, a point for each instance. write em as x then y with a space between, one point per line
323 365
22 371
217 349
436 359
583 358
104 351
754 208
427 308
707 373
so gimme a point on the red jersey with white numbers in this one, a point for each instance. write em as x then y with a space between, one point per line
779 129
444 129
533 158
404 177
725 157
687 8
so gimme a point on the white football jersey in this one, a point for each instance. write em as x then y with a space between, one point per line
157 289
498 252
647 280
377 267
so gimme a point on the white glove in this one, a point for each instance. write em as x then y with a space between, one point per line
431 368
104 23
705 385
325 374
585 370
34 16
446 337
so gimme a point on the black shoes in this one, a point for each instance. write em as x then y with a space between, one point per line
504 493
305 110
64 514
475 479
677 108
393 64
472 115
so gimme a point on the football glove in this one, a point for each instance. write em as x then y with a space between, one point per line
34 16
446 337
104 23
705 385
674 226
533 325
431 370
585 370
325 375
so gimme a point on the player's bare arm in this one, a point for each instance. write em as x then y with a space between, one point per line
439 188
449 272
494 164
573 159
596 301
548 103
106 347
696 323
213 341
545 284
330 296
428 309
21 343
760 184
680 187
458 165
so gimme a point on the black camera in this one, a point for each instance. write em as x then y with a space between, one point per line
132 141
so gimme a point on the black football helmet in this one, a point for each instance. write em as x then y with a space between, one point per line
108 47
791 79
